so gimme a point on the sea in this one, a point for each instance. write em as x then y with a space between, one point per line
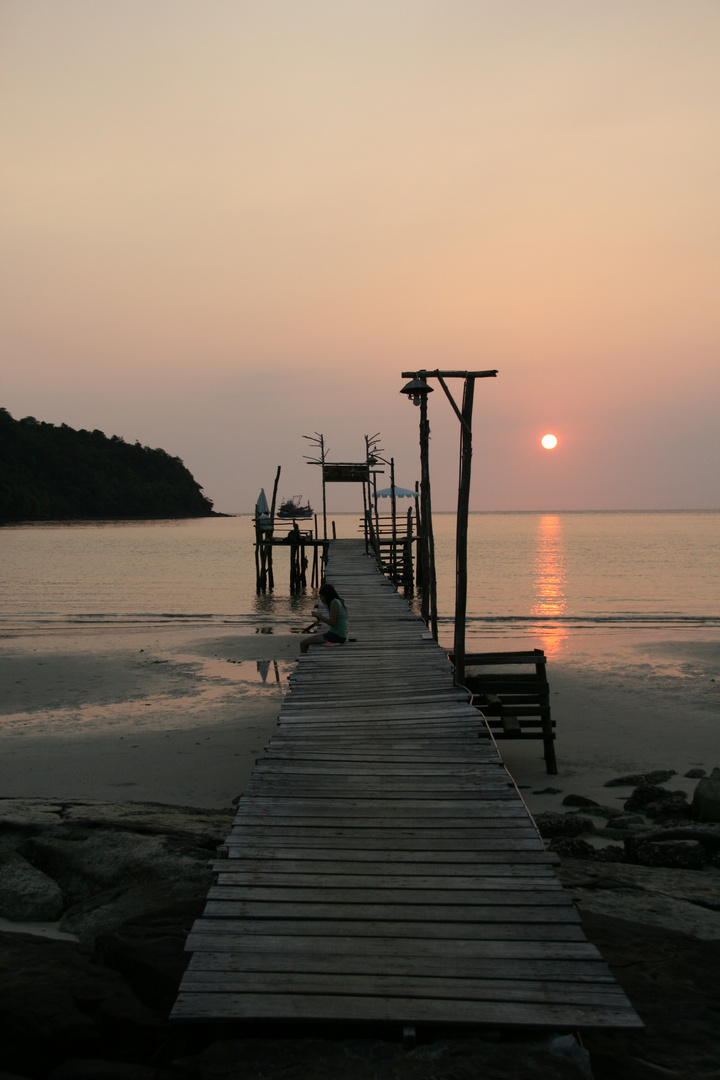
626 606
530 575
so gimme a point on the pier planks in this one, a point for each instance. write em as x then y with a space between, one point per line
382 866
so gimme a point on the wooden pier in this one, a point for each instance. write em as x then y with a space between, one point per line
382 865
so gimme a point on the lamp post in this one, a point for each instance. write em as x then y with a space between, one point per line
415 391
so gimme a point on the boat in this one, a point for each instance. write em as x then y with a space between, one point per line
293 508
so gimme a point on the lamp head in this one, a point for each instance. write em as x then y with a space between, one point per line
417 390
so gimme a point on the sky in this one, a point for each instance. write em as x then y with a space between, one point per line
228 225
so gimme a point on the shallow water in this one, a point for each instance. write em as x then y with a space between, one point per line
526 571
626 607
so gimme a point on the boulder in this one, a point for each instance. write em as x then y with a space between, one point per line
706 798
659 776
674 983
643 795
149 952
459 1057
108 876
100 1069
609 853
55 1004
572 847
595 808
671 807
685 900
26 893
29 817
707 835
625 821
551 824
681 854
578 800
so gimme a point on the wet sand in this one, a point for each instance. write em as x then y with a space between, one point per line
624 702
166 716
180 716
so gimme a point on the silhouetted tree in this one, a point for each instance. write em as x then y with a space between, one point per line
51 473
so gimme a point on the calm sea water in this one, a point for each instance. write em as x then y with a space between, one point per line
531 576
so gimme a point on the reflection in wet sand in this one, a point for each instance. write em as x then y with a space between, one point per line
549 583
263 669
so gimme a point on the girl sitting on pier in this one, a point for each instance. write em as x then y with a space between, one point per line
336 620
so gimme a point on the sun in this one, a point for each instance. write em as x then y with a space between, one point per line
549 441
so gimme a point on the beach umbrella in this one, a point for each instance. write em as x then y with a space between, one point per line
400 493
261 506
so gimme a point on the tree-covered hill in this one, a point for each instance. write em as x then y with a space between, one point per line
50 473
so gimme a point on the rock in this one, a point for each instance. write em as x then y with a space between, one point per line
149 952
95 1069
625 821
572 847
694 774
643 795
610 853
460 1057
109 876
671 899
204 828
707 835
549 791
112 862
578 800
659 776
26 894
552 824
673 806
674 983
56 1004
594 808
682 854
706 798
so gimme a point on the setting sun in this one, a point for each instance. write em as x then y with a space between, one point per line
549 441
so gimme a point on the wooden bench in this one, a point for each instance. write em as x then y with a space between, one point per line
515 704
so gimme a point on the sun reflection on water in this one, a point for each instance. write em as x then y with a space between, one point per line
549 583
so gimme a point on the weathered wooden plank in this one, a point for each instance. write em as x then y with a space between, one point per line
540 877
341 866
407 950
448 824
490 862
385 838
377 861
401 1010
387 848
604 993
227 931
411 896
590 970
418 806
380 912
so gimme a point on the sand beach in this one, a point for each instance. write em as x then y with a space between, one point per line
180 715
176 717
99 718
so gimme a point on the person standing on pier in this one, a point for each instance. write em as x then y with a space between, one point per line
336 619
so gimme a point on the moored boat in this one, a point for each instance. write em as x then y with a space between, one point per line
293 508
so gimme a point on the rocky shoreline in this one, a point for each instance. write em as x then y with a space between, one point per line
124 883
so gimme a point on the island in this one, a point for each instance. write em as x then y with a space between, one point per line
52 472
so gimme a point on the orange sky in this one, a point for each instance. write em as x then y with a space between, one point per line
228 225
